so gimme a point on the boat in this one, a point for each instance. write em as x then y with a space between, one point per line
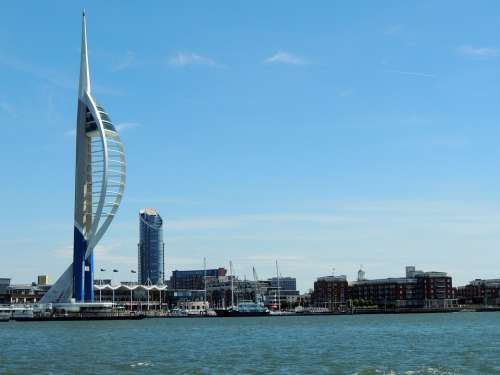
22 312
282 313
243 309
5 314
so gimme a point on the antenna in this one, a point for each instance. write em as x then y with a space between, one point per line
84 62
205 283
257 289
279 290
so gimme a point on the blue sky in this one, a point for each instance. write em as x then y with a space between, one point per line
325 136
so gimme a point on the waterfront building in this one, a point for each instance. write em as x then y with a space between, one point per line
480 292
4 285
25 293
224 290
417 289
177 298
285 283
151 248
361 274
305 299
330 292
195 279
393 292
99 186
285 298
435 289
132 296
219 292
287 295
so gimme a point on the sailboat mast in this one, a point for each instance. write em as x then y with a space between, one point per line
279 292
205 283
256 280
232 282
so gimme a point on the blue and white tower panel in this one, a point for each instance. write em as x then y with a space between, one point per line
99 185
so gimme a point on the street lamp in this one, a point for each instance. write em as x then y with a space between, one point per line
114 270
148 285
100 282
131 291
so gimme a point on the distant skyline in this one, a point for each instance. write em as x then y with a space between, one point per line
325 137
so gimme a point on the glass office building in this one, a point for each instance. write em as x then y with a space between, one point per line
285 283
151 247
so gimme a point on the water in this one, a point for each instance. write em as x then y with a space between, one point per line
460 343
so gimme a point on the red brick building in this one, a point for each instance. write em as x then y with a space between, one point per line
417 289
480 292
330 292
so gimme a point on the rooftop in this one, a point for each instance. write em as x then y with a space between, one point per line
149 211
333 278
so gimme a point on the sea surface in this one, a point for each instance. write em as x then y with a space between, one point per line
457 343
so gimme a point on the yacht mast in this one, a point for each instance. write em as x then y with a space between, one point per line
205 284
232 282
279 292
256 279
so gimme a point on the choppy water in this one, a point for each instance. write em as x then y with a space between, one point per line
460 343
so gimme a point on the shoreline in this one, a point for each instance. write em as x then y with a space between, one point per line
287 314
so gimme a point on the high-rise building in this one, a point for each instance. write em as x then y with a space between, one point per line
99 185
151 249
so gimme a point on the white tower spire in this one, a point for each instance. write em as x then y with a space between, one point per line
84 62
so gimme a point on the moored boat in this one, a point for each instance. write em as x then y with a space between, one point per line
5 314
243 309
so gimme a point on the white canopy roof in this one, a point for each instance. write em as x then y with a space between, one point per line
131 287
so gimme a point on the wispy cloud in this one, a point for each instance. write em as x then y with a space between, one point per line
283 57
111 254
181 59
478 52
408 73
128 61
243 220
